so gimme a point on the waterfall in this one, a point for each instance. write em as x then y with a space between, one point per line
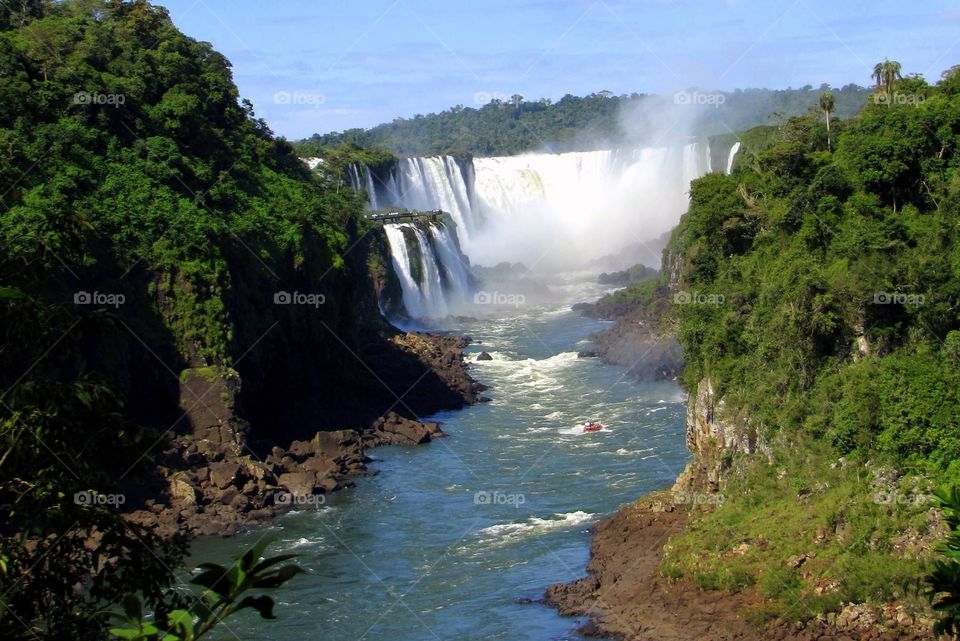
354 172
412 297
444 283
549 211
371 189
733 152
432 285
553 207
435 182
454 263
562 209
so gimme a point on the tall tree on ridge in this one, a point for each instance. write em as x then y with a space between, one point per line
886 74
827 102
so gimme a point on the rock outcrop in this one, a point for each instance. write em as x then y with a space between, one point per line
633 342
444 356
213 479
716 434
639 339
394 429
626 596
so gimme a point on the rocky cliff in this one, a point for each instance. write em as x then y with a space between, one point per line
215 476
716 434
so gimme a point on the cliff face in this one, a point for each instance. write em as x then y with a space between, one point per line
716 435
217 475
636 342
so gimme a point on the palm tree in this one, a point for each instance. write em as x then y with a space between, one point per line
517 101
886 74
827 102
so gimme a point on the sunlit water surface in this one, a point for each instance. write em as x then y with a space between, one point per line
448 536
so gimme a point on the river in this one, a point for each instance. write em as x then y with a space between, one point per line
445 539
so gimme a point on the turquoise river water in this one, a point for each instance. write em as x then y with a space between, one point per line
445 539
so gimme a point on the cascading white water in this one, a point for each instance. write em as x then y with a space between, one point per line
733 152
412 297
432 286
371 189
435 182
454 263
549 211
433 296
354 172
365 182
558 210
554 209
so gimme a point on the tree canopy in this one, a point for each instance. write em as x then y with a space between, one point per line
148 217
504 127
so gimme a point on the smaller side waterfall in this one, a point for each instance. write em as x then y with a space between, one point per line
371 188
431 268
361 178
431 282
458 286
733 152
403 266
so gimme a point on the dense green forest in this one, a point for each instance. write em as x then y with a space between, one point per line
504 127
814 251
818 291
148 220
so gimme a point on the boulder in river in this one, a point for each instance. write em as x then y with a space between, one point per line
393 429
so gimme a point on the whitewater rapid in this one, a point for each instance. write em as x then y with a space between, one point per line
462 528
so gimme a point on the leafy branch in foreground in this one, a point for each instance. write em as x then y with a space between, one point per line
221 597
944 580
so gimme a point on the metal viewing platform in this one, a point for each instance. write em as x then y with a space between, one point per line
406 216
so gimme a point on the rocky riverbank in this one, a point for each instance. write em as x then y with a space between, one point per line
639 339
626 597
635 342
214 479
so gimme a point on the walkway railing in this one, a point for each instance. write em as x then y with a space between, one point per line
406 216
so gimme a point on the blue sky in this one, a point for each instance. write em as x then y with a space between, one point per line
328 65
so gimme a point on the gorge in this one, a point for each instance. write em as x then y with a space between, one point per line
673 367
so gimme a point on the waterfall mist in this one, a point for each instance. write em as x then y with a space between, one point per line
563 211
551 212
